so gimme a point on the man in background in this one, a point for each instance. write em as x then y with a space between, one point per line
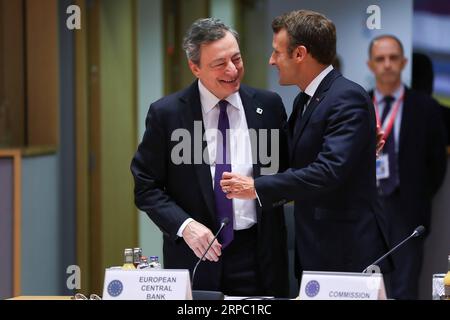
412 166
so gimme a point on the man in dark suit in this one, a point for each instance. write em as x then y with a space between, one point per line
413 163
179 187
332 153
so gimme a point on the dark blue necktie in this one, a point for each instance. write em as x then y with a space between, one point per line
224 206
297 114
389 185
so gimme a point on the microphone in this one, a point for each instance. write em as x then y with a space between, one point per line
417 233
224 222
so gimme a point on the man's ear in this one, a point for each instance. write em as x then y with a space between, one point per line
300 53
404 62
369 65
194 68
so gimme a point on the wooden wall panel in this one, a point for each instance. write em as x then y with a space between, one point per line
96 262
178 17
117 134
42 72
82 149
6 228
15 191
12 76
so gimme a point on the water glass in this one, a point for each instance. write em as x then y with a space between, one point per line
438 285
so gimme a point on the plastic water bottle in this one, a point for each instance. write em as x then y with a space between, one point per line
128 260
137 254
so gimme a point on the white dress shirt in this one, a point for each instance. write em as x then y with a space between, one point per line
244 211
313 85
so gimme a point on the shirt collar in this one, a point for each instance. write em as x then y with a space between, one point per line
312 87
396 94
209 100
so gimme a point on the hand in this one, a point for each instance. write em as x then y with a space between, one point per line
198 237
238 186
380 141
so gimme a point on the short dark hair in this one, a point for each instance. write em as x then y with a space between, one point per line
310 29
385 36
204 31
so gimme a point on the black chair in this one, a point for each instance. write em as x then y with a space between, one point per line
207 295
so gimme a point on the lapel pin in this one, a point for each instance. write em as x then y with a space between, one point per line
317 99
259 110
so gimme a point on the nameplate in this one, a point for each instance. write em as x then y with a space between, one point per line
342 286
147 284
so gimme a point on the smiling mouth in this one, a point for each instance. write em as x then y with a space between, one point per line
230 81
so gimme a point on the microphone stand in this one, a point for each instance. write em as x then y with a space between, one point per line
202 294
417 232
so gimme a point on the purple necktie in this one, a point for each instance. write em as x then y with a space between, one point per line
389 185
224 206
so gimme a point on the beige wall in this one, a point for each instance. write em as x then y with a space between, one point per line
150 86
118 218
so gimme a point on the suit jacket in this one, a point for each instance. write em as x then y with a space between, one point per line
422 157
339 226
445 111
171 193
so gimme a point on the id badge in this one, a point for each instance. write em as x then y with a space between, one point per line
383 167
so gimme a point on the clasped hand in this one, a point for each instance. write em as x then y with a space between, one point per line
237 186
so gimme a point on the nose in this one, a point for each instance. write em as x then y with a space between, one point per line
387 63
231 68
272 60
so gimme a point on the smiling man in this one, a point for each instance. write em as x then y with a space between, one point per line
332 142
185 199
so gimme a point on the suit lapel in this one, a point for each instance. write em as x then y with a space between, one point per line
192 113
314 102
253 114
405 121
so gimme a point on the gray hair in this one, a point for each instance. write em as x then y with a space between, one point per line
204 31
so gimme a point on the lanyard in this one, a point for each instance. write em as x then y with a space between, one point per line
390 118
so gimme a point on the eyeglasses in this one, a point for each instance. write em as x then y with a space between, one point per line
80 296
